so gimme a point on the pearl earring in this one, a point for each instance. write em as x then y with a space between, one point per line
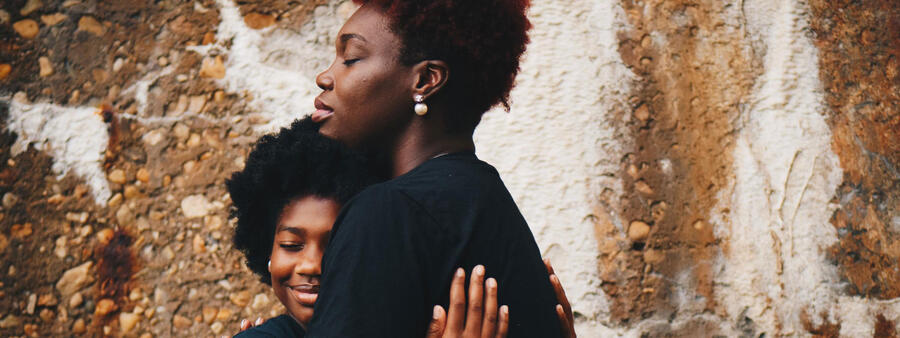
421 108
269 265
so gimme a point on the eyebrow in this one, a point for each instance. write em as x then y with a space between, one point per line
347 36
293 230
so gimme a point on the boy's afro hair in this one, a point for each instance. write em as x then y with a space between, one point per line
296 162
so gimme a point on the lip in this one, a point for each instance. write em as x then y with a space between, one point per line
305 294
323 111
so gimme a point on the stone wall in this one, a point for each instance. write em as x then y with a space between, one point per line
691 167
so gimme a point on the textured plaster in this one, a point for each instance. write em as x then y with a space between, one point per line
274 68
775 271
695 72
864 113
557 150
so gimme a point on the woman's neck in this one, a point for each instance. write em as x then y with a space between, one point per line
418 146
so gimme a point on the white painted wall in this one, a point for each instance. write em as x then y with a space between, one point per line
557 147
276 67
76 138
786 176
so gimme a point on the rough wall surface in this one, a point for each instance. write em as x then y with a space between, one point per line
691 167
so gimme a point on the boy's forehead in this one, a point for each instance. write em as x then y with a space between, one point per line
308 212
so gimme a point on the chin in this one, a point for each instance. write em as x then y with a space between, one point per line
302 315
327 129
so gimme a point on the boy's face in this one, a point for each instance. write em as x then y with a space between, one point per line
301 235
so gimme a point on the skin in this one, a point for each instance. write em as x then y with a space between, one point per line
367 97
365 85
367 103
301 237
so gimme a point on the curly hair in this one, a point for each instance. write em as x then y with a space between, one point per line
296 162
480 40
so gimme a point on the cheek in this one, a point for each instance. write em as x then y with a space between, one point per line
368 88
280 267
369 104
357 98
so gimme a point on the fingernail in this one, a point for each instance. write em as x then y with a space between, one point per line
504 310
491 283
460 272
259 321
244 323
479 270
437 312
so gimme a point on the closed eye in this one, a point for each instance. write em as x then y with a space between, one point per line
349 62
292 246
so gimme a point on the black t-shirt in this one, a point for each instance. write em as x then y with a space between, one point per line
396 245
278 327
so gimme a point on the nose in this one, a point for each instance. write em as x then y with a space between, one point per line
325 80
311 262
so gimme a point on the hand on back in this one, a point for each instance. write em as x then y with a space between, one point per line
480 316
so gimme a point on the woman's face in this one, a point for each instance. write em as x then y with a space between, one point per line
301 236
366 92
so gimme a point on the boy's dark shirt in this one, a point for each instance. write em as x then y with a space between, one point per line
282 326
395 247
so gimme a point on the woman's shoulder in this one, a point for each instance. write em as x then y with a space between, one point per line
450 175
384 197
281 326
437 184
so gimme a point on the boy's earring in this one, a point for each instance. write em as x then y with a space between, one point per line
421 108
269 265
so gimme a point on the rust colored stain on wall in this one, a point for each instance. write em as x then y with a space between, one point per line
860 69
694 71
116 264
884 328
825 330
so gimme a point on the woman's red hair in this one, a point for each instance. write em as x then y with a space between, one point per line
480 40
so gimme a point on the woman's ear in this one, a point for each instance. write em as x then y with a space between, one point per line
431 76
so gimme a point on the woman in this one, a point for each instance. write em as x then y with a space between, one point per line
408 86
285 201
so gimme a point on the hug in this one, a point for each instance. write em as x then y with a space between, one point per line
361 216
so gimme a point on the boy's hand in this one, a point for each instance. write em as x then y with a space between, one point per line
482 319
563 309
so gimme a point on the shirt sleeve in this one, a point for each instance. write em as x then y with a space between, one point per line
281 326
372 273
